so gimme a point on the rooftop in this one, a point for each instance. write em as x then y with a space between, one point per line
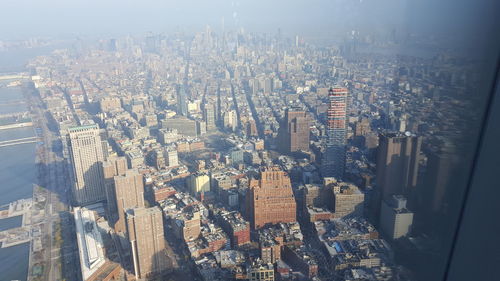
90 245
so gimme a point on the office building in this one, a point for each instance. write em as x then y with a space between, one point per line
201 127
182 101
261 272
439 188
145 233
230 120
209 116
156 158
187 225
86 158
313 195
114 166
129 194
236 227
166 136
171 157
362 128
348 200
237 156
198 183
294 131
90 245
251 129
397 164
150 120
395 219
270 198
135 158
335 153
183 125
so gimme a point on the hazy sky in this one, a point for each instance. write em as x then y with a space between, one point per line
25 18
22 18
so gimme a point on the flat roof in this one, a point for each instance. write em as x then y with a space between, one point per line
89 240
80 128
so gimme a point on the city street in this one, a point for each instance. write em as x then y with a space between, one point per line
53 177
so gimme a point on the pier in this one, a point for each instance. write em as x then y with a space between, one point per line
14 76
18 141
19 114
16 125
18 235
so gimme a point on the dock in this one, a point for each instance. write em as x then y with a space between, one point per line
17 235
16 125
18 141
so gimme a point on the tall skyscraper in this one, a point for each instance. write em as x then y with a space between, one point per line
270 199
397 163
129 193
230 120
294 131
251 129
182 108
86 158
335 152
439 189
145 233
209 116
114 166
440 166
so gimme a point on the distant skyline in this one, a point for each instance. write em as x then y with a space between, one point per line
20 19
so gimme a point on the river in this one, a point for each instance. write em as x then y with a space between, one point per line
17 175
17 168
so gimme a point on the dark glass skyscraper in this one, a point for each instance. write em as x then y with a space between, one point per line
335 152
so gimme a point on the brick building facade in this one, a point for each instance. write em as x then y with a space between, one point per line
270 199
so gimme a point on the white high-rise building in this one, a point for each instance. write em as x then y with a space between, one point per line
396 220
230 120
86 158
171 157
198 183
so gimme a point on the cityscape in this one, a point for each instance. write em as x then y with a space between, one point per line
230 154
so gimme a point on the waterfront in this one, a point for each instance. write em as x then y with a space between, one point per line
17 175
14 60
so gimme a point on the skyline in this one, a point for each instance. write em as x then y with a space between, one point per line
69 19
